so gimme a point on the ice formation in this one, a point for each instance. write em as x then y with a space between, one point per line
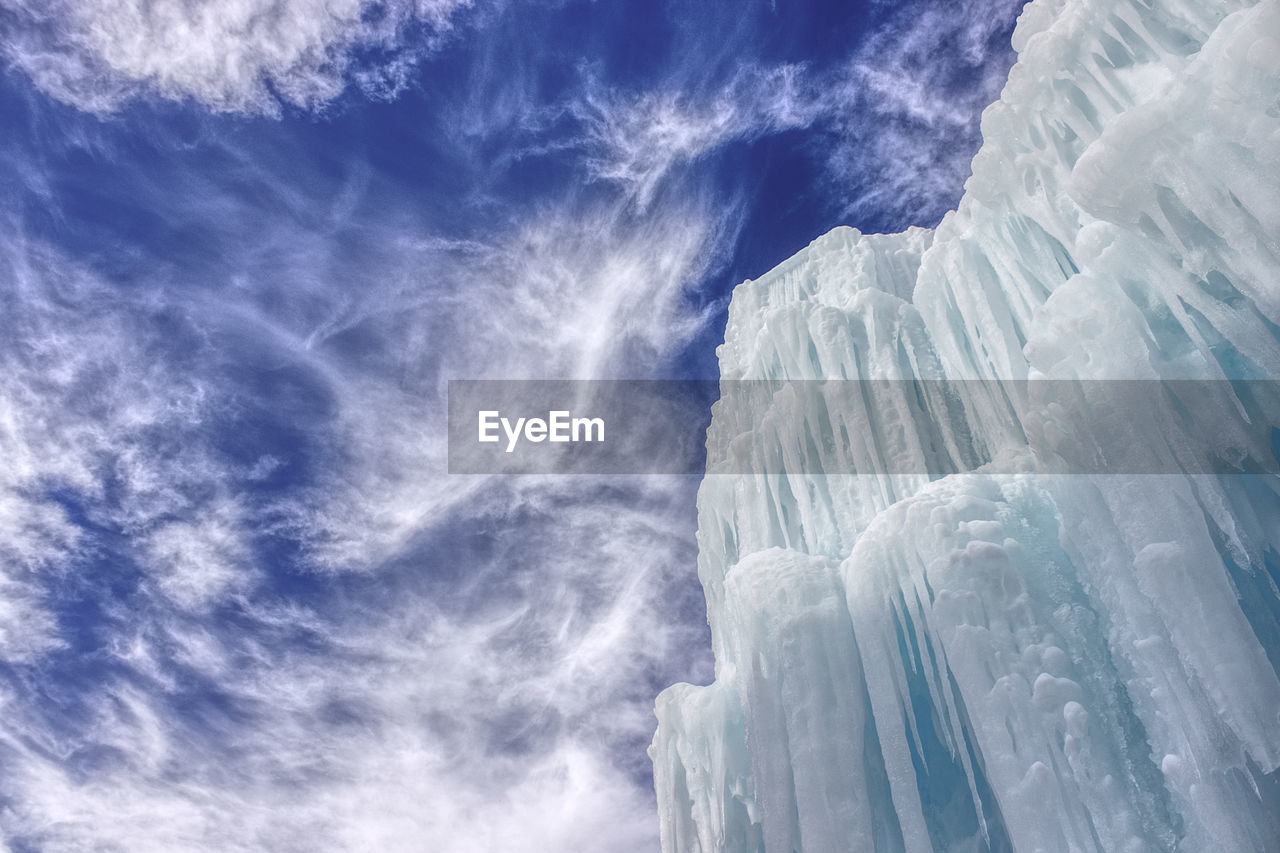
1016 661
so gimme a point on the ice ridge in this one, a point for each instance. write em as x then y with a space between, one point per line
1027 661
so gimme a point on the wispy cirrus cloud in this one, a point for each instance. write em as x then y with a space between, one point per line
246 608
895 123
905 108
636 142
460 667
238 56
481 717
281 624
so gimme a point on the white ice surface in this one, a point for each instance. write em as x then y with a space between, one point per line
1013 661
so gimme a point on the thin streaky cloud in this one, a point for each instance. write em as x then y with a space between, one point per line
239 56
637 142
245 607
452 714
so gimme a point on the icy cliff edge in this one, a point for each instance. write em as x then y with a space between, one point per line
1023 661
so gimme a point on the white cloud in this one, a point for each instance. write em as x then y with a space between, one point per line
907 106
199 561
78 397
464 701
230 55
478 714
485 684
900 118
637 141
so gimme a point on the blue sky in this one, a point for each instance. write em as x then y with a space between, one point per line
244 245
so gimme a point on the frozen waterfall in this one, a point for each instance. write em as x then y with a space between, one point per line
1017 657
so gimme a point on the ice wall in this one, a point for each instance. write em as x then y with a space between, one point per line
1014 661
